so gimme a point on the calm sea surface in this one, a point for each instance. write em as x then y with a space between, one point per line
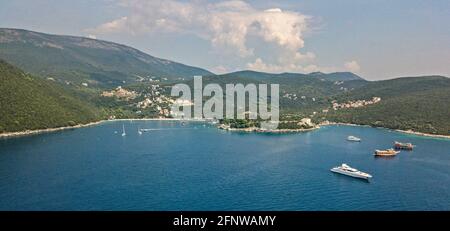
198 167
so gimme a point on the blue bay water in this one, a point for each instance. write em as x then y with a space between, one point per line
197 167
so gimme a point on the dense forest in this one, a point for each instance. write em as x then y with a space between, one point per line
422 106
78 59
27 102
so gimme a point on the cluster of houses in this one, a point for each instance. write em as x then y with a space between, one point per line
290 96
355 104
294 96
152 98
151 79
155 98
306 122
120 93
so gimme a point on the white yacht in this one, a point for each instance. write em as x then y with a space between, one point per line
353 138
349 171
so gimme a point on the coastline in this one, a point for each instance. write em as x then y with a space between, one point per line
48 130
410 132
248 130
275 131
422 134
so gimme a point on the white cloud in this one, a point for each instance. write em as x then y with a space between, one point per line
118 25
228 26
352 66
220 69
260 65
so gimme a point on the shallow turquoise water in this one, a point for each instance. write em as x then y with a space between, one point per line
194 167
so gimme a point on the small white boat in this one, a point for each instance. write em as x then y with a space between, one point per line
353 138
349 171
139 131
123 130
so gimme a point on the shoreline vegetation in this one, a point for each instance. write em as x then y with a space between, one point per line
247 130
259 130
410 132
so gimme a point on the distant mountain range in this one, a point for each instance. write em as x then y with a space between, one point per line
28 102
335 76
79 59
105 64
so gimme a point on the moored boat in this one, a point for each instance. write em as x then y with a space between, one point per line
123 130
387 152
353 138
349 171
404 146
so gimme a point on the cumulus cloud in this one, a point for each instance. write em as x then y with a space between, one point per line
220 69
260 65
352 66
115 26
228 27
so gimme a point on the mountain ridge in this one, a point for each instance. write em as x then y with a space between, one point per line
417 103
332 76
81 59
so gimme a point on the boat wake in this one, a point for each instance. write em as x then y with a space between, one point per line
164 129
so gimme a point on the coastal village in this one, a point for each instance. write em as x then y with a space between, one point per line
155 98
151 99
355 104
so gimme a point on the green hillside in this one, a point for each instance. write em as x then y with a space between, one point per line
300 94
65 62
417 103
83 60
27 102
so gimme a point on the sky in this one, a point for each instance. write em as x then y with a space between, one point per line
376 39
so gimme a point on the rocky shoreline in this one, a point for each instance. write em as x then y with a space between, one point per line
423 134
397 130
40 131
259 130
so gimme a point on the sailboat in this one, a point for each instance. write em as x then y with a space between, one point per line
123 130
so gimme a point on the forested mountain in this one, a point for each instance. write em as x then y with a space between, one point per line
334 76
28 102
79 59
416 103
